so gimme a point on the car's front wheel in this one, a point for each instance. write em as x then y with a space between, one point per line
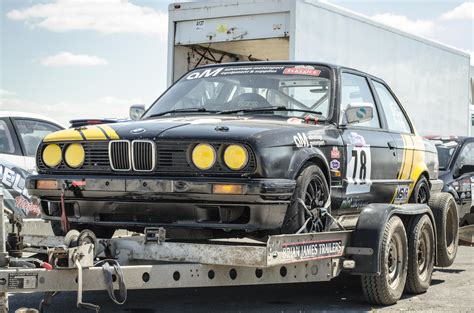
312 189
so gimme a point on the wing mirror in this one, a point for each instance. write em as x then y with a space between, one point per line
464 169
358 113
136 111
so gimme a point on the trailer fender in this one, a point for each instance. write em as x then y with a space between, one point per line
369 230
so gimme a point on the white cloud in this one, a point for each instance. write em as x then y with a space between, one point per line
416 27
464 11
5 93
105 16
64 111
69 59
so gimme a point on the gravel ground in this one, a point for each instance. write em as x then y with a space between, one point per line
452 290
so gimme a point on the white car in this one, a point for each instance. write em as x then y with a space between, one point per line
20 135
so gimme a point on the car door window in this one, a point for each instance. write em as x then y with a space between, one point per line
355 89
396 119
6 139
467 155
32 132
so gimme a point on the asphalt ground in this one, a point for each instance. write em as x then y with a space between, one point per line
452 290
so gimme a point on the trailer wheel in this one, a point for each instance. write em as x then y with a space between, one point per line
421 254
421 192
387 288
312 188
445 213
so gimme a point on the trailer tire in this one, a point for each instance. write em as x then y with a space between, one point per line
421 254
295 214
387 288
445 212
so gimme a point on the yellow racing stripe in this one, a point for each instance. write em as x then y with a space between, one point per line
93 133
110 132
63 135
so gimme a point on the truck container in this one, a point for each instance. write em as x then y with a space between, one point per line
432 80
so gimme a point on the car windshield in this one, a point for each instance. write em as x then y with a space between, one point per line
445 153
254 89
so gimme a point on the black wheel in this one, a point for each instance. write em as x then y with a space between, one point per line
445 212
421 254
387 288
313 189
421 192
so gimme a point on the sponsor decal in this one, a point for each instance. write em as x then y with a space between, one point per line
401 194
335 165
361 113
313 249
294 120
210 72
206 121
15 194
302 140
353 203
301 70
357 139
336 173
335 153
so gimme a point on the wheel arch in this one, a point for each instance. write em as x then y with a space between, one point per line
303 157
369 232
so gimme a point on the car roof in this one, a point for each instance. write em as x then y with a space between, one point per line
29 115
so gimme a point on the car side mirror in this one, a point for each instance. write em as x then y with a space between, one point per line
358 113
464 169
136 111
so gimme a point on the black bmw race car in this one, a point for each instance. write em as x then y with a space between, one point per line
240 149
456 165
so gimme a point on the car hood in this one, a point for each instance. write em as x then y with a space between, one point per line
258 129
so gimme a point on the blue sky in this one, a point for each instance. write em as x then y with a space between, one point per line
93 58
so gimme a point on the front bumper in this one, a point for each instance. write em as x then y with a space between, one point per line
169 202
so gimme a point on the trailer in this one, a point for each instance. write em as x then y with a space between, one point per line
304 30
150 261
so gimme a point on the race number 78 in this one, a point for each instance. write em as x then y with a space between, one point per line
359 165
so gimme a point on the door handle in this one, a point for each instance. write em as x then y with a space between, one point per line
391 145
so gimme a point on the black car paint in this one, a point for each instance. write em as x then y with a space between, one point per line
281 147
449 175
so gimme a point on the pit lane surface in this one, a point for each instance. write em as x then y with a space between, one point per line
451 291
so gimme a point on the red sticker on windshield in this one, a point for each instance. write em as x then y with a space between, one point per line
301 70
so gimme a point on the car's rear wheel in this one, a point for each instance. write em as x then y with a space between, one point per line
421 192
312 188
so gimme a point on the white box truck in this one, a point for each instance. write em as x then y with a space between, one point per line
430 79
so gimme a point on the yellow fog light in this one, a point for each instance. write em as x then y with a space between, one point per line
204 156
236 157
74 155
52 155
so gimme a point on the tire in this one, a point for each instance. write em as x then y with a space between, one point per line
387 288
421 192
421 254
445 212
296 215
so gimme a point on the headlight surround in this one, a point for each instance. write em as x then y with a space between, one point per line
204 156
74 155
52 155
236 157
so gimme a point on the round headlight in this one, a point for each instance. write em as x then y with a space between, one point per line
74 155
52 155
204 156
236 157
